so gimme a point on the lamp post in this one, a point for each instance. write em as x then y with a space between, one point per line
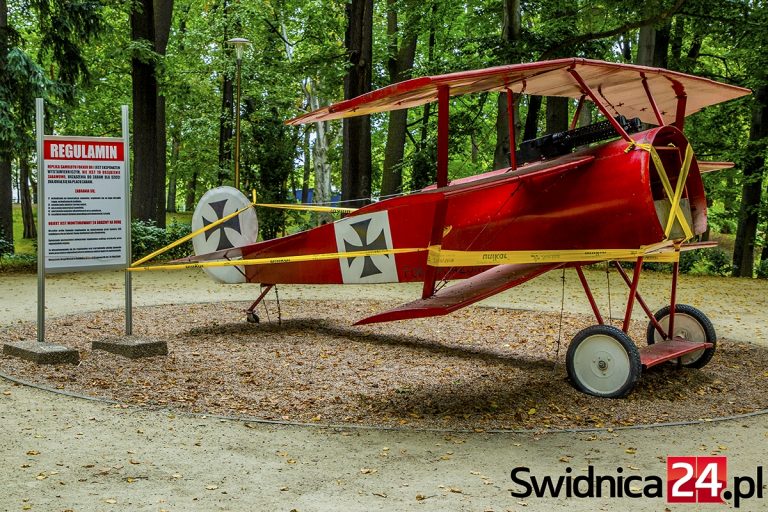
239 43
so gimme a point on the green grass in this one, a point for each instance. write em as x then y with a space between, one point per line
22 245
181 218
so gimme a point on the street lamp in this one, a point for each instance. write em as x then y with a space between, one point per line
239 43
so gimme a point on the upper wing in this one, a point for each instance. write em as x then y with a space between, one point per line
620 85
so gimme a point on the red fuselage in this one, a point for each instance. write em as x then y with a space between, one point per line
597 198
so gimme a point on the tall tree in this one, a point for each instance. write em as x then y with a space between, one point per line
61 29
402 51
511 33
226 120
150 29
356 167
6 182
752 186
423 162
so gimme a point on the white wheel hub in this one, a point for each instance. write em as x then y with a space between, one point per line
601 364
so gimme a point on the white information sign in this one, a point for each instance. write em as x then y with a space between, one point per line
84 197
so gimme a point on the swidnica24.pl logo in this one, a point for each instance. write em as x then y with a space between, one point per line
688 480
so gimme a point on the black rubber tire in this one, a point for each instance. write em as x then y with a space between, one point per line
252 318
701 319
577 375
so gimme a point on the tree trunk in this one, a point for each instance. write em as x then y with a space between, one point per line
626 48
510 34
227 113
190 192
424 167
151 22
356 158
6 181
676 43
322 190
400 65
305 149
170 205
661 45
557 114
27 216
752 188
532 118
225 129
646 46
6 206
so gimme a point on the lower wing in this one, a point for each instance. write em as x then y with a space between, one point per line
492 281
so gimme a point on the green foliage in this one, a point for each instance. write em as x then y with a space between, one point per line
18 263
6 247
147 237
57 44
711 262
762 269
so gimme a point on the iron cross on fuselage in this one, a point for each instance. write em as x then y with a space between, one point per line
380 243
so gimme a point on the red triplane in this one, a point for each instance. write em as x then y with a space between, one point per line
568 199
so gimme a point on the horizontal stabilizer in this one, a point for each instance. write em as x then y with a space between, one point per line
464 293
707 166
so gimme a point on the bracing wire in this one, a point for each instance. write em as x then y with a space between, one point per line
560 328
608 278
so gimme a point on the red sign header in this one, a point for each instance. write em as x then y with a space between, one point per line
82 150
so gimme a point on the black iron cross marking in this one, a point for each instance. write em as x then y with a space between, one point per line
361 228
233 223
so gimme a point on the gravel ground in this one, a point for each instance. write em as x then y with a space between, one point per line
479 369
59 453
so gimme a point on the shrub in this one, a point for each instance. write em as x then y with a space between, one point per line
710 262
147 237
688 259
762 269
175 231
18 263
6 247
719 261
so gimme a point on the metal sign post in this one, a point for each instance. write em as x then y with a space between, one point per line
40 128
129 256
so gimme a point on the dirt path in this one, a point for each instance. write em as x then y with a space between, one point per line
62 453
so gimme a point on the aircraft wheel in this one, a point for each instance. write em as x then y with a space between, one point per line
603 361
252 317
690 324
